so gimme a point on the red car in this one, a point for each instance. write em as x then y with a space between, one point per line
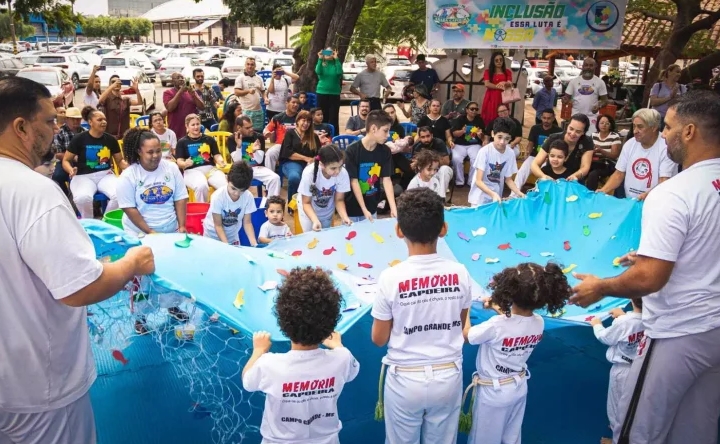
55 79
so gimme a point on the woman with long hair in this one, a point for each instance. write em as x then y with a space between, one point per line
496 77
298 149
419 104
607 145
438 124
234 110
167 137
199 158
666 89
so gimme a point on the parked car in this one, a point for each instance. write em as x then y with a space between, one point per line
285 62
535 81
27 59
398 82
55 79
347 81
76 67
354 66
212 74
172 65
233 67
212 57
147 89
10 67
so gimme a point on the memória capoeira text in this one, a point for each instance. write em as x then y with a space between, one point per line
431 327
520 343
307 421
299 389
439 283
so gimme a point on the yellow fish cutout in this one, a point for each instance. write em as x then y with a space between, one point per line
342 266
572 198
239 299
594 215
313 243
233 331
349 248
557 314
570 268
395 262
377 237
616 262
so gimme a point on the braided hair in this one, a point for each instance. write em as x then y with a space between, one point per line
327 154
133 141
530 286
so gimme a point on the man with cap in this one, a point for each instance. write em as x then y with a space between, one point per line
456 106
425 75
62 139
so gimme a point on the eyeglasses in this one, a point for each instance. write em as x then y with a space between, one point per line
473 109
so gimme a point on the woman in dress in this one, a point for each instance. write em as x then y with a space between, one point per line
496 78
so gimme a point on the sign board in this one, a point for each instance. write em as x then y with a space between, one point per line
532 24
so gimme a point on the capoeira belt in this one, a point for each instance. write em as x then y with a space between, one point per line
635 400
466 417
422 368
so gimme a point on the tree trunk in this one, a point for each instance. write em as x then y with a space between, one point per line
701 69
334 25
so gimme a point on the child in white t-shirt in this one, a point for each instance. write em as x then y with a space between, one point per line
507 340
274 227
322 190
231 204
494 166
426 164
419 312
303 385
622 338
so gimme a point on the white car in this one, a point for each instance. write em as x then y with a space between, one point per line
233 67
144 60
116 63
285 62
535 82
184 52
286 52
393 64
173 65
147 89
354 66
212 74
55 80
76 67
398 82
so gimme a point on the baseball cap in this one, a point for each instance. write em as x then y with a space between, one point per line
420 58
459 87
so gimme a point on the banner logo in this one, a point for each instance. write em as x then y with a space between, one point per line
451 17
602 16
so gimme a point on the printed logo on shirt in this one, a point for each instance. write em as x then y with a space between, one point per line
156 194
520 343
716 185
309 420
427 285
642 169
97 157
495 172
368 177
630 349
321 198
229 217
432 327
586 90
199 153
300 389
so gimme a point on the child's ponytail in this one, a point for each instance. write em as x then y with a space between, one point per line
327 154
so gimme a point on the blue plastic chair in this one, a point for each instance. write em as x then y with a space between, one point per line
143 121
354 105
258 218
103 199
409 128
332 129
343 141
202 129
259 185
390 136
85 126
215 127
264 75
311 99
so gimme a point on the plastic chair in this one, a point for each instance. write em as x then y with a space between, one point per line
264 75
311 99
133 120
332 129
293 205
103 199
143 121
409 128
191 193
343 141
202 129
85 126
215 127
258 218
354 105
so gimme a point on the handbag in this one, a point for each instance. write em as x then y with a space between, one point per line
510 95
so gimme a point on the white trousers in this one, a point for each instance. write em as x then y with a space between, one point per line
444 175
84 187
306 223
422 407
72 424
458 158
524 172
498 414
618 376
199 179
272 155
268 177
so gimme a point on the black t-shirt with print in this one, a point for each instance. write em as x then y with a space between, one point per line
538 135
462 122
368 168
93 154
438 127
201 150
572 163
246 142
547 169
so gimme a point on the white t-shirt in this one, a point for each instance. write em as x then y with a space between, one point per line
496 166
622 337
302 388
680 224
585 94
91 99
168 141
643 168
153 193
231 212
423 296
433 184
505 344
278 99
322 193
271 231
250 102
46 361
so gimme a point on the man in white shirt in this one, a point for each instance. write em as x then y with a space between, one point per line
643 161
672 395
587 92
48 275
249 89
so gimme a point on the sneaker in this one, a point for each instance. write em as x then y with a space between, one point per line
141 327
178 314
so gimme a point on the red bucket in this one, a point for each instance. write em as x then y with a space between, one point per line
196 212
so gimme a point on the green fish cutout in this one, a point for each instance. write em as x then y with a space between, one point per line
547 199
521 235
586 230
185 243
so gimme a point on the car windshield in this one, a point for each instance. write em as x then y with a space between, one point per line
190 55
541 74
348 77
50 59
402 74
112 62
284 62
47 78
398 62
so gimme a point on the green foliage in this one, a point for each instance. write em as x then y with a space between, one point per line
22 30
62 18
117 29
389 23
302 40
270 13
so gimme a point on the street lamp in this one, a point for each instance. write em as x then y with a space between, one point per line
12 27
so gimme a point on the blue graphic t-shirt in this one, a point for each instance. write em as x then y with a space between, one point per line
201 150
248 143
93 153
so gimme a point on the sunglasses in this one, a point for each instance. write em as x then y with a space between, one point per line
473 109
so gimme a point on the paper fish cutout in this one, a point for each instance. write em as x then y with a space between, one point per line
570 268
395 262
566 245
118 356
214 317
351 235
377 237
547 254
616 262
185 243
463 236
342 266
572 198
313 243
504 246
482 231
612 237
491 260
296 253
523 253
475 256
329 251
276 255
586 230
547 199
117 239
364 265
349 249
250 259
234 331
558 314
521 235
239 299
594 215
352 307
589 318
282 272
268 285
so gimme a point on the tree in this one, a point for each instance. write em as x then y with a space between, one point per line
61 18
22 30
117 29
389 23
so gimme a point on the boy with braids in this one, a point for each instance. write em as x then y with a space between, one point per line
507 340
302 385
419 312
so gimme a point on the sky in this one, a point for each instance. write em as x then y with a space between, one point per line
91 7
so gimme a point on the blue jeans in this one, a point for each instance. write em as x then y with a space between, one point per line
60 176
293 171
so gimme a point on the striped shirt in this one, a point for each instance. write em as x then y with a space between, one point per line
607 143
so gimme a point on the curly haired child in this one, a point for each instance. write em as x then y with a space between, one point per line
426 164
500 382
303 385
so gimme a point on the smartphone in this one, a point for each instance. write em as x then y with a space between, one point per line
187 83
101 68
326 52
